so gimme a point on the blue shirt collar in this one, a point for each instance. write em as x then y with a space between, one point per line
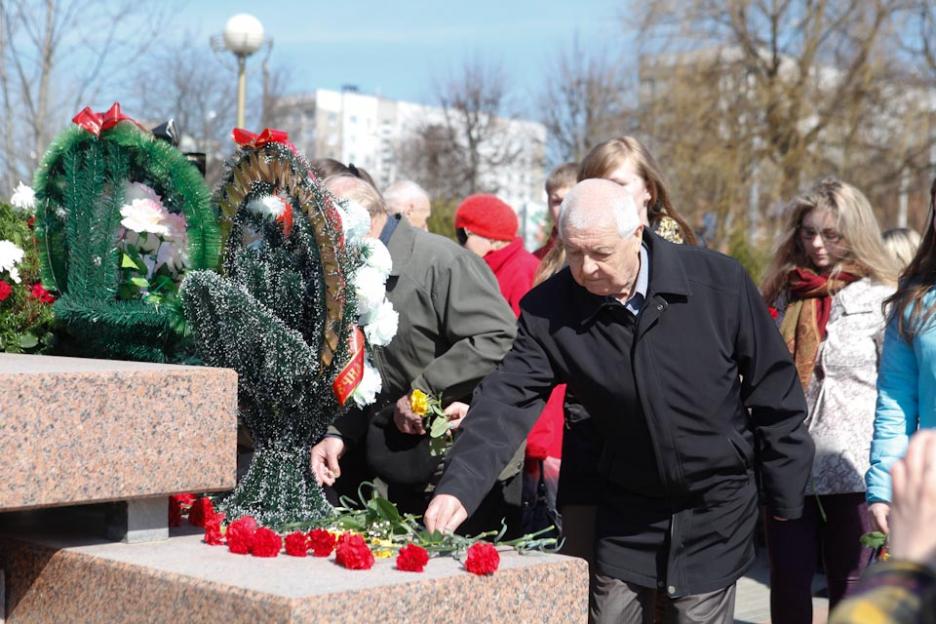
643 282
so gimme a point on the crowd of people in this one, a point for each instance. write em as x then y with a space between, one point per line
644 396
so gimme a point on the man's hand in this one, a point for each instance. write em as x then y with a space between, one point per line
405 419
879 513
913 516
444 513
456 413
325 456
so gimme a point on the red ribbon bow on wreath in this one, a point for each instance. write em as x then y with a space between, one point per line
350 376
246 138
96 123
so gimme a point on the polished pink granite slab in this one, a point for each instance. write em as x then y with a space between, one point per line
184 580
78 431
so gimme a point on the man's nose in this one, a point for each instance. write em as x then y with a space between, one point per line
589 266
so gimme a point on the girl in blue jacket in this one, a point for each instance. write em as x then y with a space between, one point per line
906 398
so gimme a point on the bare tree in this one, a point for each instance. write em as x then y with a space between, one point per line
57 57
459 153
583 101
752 99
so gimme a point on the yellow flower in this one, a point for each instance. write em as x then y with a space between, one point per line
383 553
419 401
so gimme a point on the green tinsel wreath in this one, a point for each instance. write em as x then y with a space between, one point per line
79 192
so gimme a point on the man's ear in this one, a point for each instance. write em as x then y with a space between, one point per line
638 233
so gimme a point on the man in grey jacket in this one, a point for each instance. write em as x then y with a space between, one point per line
454 328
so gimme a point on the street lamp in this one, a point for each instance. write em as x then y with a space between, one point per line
243 35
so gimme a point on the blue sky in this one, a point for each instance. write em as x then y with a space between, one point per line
397 48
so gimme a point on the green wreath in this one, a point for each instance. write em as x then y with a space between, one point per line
80 188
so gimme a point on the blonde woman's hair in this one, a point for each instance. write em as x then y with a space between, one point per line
552 263
606 157
902 243
861 237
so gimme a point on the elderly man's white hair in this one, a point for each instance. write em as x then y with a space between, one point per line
591 202
401 193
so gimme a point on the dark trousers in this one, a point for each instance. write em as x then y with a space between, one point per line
619 602
794 547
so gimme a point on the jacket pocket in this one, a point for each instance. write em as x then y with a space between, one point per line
742 448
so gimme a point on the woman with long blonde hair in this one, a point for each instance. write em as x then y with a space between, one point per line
627 162
827 284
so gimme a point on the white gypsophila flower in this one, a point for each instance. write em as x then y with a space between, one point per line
370 289
355 221
376 255
24 198
10 256
144 215
382 324
138 190
366 391
267 205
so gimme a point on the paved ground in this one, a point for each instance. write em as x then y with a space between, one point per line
752 604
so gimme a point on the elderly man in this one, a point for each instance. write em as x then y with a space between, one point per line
410 200
672 351
454 328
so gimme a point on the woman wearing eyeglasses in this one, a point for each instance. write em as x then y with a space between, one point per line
827 283
907 383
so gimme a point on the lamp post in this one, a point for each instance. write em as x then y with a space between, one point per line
243 35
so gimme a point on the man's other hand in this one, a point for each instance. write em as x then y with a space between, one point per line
456 413
405 419
445 513
325 456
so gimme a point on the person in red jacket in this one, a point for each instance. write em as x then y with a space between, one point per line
487 226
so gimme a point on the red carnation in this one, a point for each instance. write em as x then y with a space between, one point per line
321 542
297 544
240 535
412 558
40 293
201 510
352 552
266 543
213 535
31 221
482 558
179 503
774 312
5 290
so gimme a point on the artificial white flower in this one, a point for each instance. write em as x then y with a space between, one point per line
382 324
138 190
10 256
366 391
144 215
369 287
267 205
24 198
376 255
355 221
173 255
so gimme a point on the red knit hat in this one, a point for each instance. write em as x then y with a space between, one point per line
486 215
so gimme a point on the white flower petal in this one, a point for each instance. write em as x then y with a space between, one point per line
366 391
24 198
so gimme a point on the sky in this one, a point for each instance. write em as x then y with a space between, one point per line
399 48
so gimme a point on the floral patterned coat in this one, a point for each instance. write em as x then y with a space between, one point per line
841 396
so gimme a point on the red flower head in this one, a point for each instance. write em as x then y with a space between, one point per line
297 544
179 503
774 312
40 293
266 543
5 290
201 510
353 553
412 558
31 221
321 542
213 535
240 535
482 558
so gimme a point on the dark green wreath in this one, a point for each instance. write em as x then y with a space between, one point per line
280 314
79 191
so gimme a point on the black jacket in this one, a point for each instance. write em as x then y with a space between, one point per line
709 380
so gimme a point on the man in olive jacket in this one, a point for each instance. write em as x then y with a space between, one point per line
672 351
454 328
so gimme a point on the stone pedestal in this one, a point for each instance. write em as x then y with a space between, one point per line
76 431
51 580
